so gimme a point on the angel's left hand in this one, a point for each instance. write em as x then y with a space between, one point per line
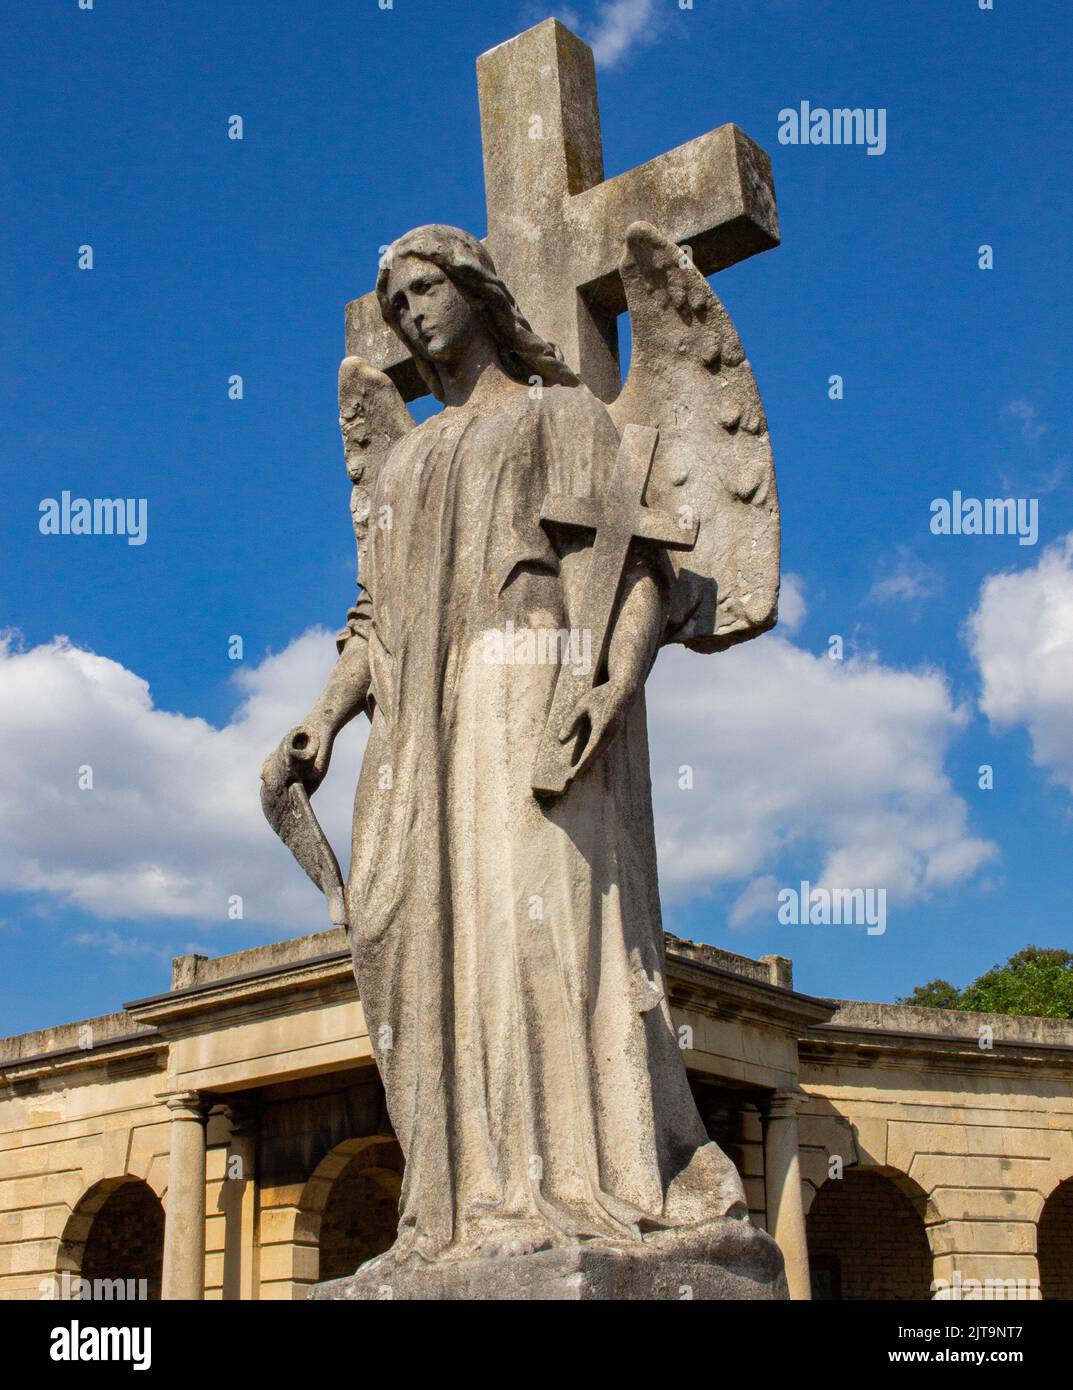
601 708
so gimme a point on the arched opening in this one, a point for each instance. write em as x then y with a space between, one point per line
114 1241
1054 1243
360 1218
351 1204
866 1238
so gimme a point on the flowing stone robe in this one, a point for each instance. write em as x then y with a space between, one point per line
509 952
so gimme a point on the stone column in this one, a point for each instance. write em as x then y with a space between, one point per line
782 1184
184 1223
240 1200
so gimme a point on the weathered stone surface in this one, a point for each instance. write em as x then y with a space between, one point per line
616 521
543 1096
502 903
713 469
556 227
287 809
748 1266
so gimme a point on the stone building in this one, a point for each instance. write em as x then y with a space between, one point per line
228 1138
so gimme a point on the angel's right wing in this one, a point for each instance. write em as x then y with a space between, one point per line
372 416
689 377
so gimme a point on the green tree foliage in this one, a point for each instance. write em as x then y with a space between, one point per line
1037 982
936 994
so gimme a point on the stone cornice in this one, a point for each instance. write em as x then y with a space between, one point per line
693 983
253 994
717 993
828 1031
833 1043
144 1049
279 988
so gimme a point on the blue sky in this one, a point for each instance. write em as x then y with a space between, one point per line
214 257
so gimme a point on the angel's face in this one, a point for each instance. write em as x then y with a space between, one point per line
433 316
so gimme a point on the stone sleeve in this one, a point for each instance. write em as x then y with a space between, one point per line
358 619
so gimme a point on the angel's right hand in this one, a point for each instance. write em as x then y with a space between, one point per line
303 756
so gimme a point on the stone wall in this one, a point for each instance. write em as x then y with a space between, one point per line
984 1133
59 1144
273 1040
126 1239
866 1239
1056 1243
359 1219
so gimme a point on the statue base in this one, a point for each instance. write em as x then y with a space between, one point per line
747 1265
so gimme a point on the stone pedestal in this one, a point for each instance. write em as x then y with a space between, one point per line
744 1263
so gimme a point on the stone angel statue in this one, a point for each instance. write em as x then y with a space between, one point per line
502 901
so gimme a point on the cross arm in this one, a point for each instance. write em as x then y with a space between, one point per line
368 336
664 529
714 194
572 511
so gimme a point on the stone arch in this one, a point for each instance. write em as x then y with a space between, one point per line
115 1232
1054 1243
349 1206
868 1237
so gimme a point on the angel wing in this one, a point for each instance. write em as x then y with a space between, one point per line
713 464
372 416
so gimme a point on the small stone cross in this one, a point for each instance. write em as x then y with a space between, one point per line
618 517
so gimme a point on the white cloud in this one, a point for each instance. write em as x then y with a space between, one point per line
115 944
907 580
172 827
842 762
760 898
1028 415
791 603
1021 638
620 25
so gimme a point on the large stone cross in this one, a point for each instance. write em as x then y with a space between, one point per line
555 227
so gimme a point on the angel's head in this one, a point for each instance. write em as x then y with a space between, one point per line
438 289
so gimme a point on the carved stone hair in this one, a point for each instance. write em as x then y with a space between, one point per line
466 263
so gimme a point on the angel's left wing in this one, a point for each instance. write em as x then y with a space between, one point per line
713 464
372 416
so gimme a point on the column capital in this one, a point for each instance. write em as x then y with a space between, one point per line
186 1105
243 1117
784 1103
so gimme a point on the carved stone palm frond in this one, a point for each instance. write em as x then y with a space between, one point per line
713 465
372 416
